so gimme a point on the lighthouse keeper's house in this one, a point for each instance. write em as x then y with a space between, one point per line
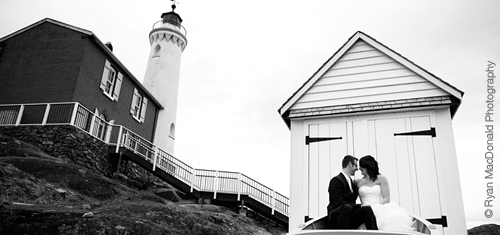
54 62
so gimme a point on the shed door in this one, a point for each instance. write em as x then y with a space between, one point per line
407 159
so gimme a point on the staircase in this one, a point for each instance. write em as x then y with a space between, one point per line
221 187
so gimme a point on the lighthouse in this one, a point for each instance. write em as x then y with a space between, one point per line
168 40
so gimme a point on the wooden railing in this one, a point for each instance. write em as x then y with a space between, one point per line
77 115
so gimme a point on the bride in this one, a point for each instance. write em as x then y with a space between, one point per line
374 191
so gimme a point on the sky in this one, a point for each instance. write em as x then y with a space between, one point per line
244 59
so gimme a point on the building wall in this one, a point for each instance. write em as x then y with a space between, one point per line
51 63
40 65
365 74
89 94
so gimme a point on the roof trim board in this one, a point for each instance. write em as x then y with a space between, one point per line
43 21
453 91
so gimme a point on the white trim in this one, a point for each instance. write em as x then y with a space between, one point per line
41 22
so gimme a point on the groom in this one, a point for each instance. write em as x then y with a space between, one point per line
343 212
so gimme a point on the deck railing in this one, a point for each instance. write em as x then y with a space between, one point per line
77 115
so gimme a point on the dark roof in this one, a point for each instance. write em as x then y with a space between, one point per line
372 106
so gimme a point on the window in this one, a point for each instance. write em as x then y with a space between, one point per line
139 105
111 81
172 131
157 51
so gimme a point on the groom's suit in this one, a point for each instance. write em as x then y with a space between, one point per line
343 212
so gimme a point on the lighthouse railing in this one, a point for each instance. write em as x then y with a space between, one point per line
170 26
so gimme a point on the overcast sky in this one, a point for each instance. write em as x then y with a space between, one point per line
244 59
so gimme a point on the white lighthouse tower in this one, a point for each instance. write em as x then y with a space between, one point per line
168 40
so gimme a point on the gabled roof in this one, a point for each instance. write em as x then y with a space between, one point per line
96 40
455 94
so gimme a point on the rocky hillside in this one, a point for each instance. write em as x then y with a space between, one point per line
485 229
40 194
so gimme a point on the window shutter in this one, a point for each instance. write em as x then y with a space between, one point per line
134 100
143 108
118 85
105 75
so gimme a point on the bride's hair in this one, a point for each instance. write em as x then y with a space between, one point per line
371 166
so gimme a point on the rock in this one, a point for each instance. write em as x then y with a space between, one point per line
485 229
88 215
167 193
22 204
60 190
119 227
86 206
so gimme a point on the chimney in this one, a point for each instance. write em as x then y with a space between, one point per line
109 46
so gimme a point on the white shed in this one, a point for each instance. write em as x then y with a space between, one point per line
368 99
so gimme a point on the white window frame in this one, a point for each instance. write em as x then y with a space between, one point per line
111 81
138 106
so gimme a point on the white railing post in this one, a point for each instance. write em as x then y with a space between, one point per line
108 131
216 183
92 124
240 186
126 142
155 152
119 139
46 114
135 145
193 175
273 203
20 115
73 114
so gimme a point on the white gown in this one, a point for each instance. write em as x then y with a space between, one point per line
390 217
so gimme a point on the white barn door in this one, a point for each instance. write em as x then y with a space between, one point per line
405 157
405 152
325 157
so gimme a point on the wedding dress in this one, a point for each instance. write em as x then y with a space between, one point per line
390 217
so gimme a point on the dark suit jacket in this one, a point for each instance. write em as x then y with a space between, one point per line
340 193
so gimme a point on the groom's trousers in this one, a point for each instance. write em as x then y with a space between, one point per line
349 216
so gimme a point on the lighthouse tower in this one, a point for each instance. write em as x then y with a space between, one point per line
168 40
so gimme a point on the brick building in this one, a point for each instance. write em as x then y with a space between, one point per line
50 61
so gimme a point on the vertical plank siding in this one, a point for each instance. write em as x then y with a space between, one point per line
365 68
409 162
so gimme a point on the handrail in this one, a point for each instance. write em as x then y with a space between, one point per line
75 114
